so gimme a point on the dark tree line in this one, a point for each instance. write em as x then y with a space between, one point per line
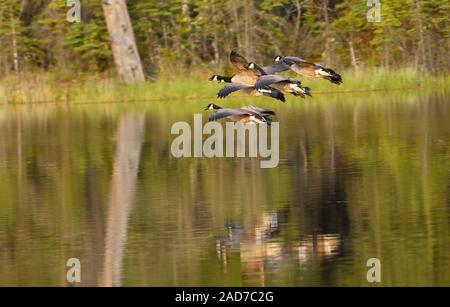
176 35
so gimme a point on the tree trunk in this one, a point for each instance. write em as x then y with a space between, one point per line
298 15
352 54
191 40
248 25
14 39
234 9
386 51
327 34
448 53
422 61
215 43
123 44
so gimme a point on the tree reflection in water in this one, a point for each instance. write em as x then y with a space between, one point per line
123 188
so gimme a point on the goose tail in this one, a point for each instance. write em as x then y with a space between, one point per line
333 77
307 91
273 93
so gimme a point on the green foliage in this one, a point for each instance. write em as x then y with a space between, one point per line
85 40
174 36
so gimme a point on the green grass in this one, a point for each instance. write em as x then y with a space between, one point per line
50 87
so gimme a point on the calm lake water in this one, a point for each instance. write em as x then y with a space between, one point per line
360 176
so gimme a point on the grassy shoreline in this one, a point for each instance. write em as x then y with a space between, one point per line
49 88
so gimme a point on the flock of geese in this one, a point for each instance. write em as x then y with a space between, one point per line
255 80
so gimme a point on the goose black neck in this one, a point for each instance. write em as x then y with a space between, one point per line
258 68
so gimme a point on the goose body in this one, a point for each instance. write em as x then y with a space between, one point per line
280 83
307 69
251 90
245 114
244 80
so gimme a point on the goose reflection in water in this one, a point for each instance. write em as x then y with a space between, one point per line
317 246
261 250
254 245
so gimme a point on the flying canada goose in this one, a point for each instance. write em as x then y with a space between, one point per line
245 115
244 75
308 69
244 79
250 76
233 87
289 85
241 64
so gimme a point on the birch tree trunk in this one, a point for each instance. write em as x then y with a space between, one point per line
327 33
422 59
352 54
123 44
14 39
298 15
248 29
216 42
